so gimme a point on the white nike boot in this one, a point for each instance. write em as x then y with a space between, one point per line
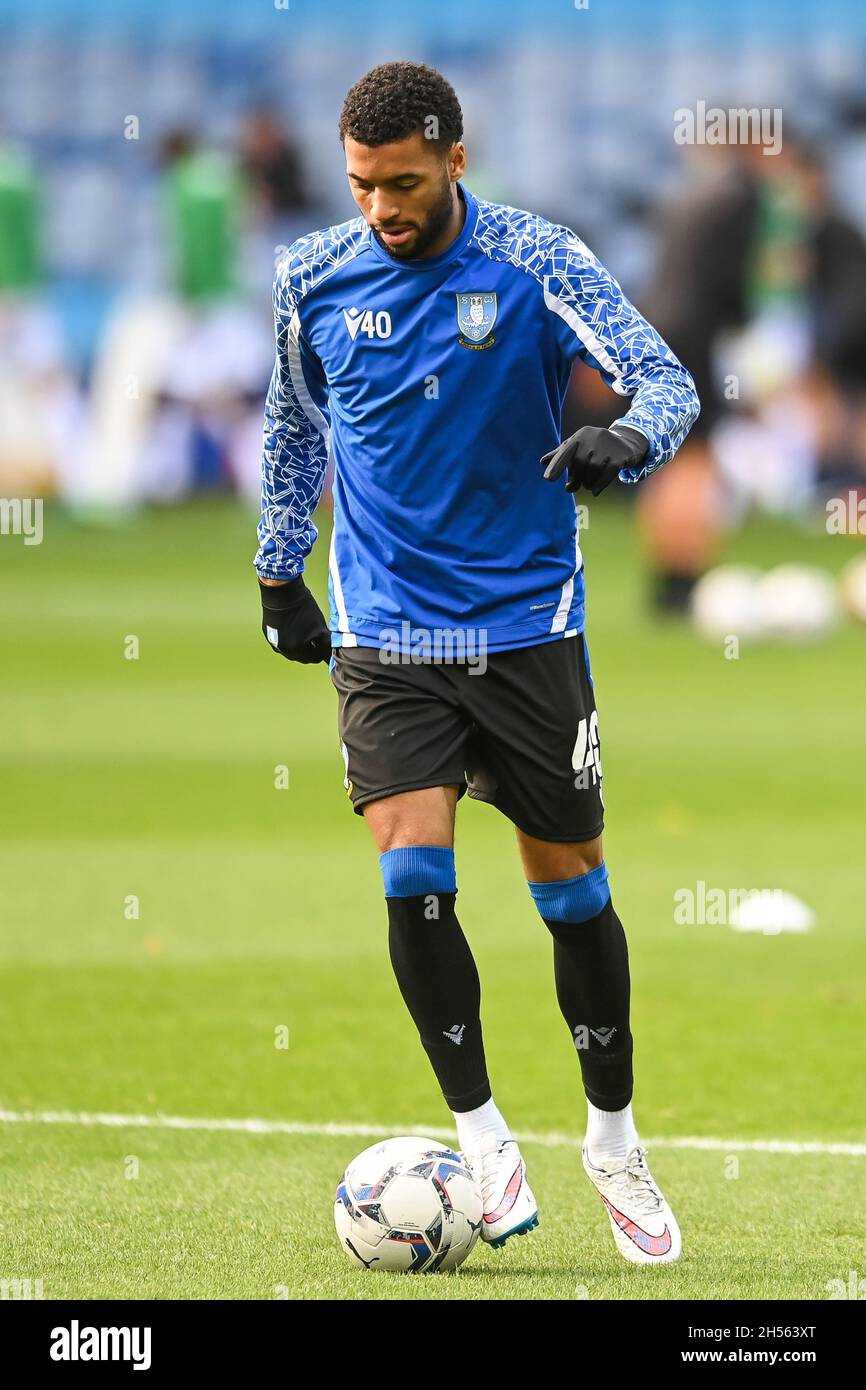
644 1227
509 1206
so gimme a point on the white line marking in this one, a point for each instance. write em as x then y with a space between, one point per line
549 1141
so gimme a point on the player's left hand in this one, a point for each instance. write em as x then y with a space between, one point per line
595 456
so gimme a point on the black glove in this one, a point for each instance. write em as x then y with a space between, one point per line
292 622
594 457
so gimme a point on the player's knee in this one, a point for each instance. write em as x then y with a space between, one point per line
424 817
411 871
577 899
551 859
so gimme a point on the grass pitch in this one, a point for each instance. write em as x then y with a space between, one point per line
168 910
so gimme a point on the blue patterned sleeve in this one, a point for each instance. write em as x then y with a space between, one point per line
602 327
295 444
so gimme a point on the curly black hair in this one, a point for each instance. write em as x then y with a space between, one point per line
393 100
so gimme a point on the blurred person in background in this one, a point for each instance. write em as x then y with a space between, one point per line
41 405
272 164
179 378
695 293
759 289
838 290
278 202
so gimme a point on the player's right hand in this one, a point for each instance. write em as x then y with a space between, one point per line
293 622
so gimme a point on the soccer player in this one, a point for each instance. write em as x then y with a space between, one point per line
425 346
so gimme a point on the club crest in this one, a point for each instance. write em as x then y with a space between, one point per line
476 315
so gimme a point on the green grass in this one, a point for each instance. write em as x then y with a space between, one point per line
260 908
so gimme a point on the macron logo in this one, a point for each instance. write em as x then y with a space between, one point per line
364 321
604 1035
77 1343
455 1033
353 321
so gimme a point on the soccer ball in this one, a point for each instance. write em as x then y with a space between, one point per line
725 604
798 602
408 1205
853 588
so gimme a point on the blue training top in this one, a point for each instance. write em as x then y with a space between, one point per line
436 386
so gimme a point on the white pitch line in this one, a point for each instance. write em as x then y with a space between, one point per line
549 1141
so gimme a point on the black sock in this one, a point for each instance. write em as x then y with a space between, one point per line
672 591
590 961
439 982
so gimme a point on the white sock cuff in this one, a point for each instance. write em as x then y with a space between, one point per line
611 1118
481 1129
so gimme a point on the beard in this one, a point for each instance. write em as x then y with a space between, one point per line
429 231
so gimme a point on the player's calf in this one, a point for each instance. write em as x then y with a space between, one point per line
590 957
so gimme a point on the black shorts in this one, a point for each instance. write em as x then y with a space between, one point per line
522 734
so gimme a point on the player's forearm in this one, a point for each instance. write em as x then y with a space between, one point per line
628 352
283 548
294 464
281 557
664 407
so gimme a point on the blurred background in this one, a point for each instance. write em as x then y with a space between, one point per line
182 879
154 160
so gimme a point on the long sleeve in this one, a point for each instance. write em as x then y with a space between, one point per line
295 444
602 327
